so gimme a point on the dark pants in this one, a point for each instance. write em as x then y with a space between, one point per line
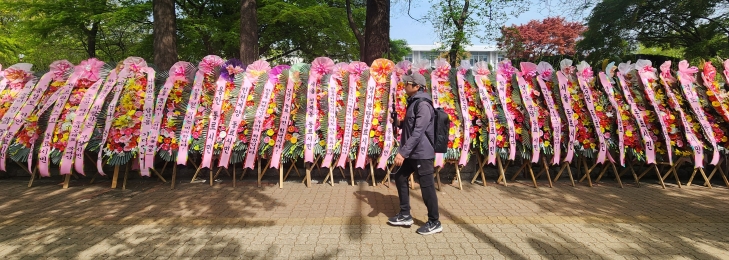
424 171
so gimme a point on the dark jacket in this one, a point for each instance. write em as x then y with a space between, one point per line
413 142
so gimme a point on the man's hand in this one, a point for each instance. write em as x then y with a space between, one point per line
398 160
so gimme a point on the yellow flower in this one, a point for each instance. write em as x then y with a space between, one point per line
629 133
518 130
271 142
723 139
709 93
250 97
355 127
592 145
575 116
375 121
269 111
546 143
270 132
160 139
372 133
322 143
624 117
293 140
508 99
452 131
599 108
499 138
715 104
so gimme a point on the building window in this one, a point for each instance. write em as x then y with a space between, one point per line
479 56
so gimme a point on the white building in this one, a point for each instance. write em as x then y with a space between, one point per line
487 53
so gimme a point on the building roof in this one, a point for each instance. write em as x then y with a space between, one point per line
469 48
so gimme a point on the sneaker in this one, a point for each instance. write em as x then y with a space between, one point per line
401 220
430 227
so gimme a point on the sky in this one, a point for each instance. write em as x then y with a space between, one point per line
414 32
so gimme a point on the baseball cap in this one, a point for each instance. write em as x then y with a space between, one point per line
416 78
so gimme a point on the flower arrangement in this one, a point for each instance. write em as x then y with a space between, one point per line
401 99
211 68
512 104
601 111
336 94
180 85
28 131
315 138
540 110
667 118
492 135
474 107
124 135
690 142
586 138
279 76
630 134
16 77
358 74
546 79
380 71
712 101
444 96
250 95
294 138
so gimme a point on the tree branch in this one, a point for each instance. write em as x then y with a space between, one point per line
283 54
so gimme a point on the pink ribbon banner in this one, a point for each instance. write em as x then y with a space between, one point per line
186 133
148 113
595 118
650 149
284 122
15 117
569 113
43 154
435 83
389 136
501 87
526 96
488 107
685 77
466 146
214 119
110 118
364 142
236 119
76 128
644 76
258 124
688 130
554 119
608 86
332 89
349 119
90 122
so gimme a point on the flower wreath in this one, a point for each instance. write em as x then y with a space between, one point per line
358 73
444 96
512 104
586 139
240 128
315 137
539 119
492 134
471 110
294 143
177 86
211 68
16 79
548 86
375 118
601 112
714 103
279 78
334 112
628 132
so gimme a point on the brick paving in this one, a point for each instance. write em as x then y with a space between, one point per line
151 221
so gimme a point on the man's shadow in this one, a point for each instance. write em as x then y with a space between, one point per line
380 204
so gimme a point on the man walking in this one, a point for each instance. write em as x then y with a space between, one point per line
416 154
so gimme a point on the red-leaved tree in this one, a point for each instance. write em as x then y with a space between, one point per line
551 36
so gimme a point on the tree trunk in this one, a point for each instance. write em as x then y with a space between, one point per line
248 31
165 37
377 30
91 39
355 29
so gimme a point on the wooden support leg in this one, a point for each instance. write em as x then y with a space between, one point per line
234 177
194 176
569 172
502 176
602 172
126 172
481 163
159 176
588 170
372 172
32 176
308 174
531 173
66 181
288 171
546 169
718 167
412 182
351 173
458 176
617 176
174 176
523 166
115 177
262 171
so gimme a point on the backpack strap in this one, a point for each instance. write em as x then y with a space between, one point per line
415 112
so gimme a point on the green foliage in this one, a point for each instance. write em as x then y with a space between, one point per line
617 27
399 49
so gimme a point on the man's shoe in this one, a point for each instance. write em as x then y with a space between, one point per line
401 220
430 227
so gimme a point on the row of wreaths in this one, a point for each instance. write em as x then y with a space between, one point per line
224 112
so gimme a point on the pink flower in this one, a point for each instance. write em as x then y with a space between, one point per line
209 63
321 66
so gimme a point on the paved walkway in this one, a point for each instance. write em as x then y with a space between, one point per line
150 221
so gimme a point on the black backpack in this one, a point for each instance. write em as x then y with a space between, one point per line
441 127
